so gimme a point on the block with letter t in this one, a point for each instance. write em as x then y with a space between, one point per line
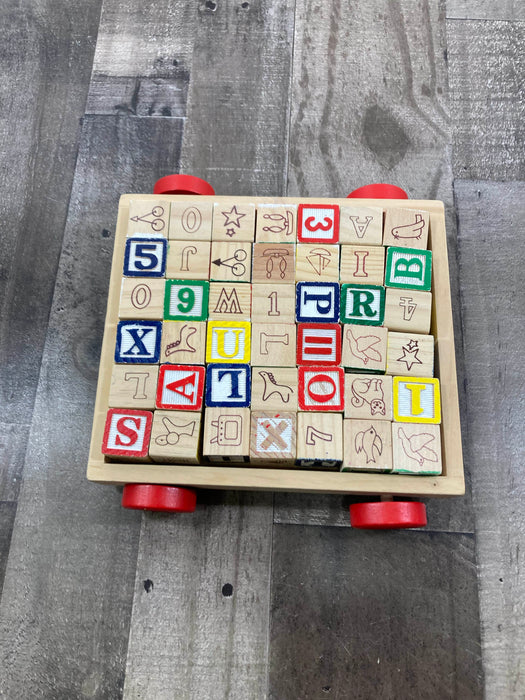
228 385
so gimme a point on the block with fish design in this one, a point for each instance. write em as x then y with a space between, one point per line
416 449
406 228
368 397
367 445
364 348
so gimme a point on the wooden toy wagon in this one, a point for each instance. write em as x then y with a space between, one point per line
279 344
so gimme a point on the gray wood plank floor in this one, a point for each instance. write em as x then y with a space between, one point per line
266 99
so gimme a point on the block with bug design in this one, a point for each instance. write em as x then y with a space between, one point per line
368 397
274 388
367 445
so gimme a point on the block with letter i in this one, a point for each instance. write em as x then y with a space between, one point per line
226 434
406 227
416 400
408 268
319 440
411 354
416 448
363 304
273 438
362 264
127 433
367 446
364 348
180 387
175 437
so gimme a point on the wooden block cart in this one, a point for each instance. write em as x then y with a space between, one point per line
279 344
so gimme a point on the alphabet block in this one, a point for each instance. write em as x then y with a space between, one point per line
175 437
319 440
363 304
365 348
406 228
408 268
183 342
227 385
273 263
233 221
231 262
138 342
186 300
228 342
361 225
318 223
318 343
317 263
276 223
191 221
416 400
317 302
416 448
226 434
142 297
188 260
367 446
148 216
362 264
410 354
368 397
230 302
273 438
127 433
145 257
180 387
273 345
321 388
274 388
407 311
273 303
133 387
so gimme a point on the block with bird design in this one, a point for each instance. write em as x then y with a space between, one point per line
319 440
406 228
175 437
226 434
276 223
368 397
274 388
233 221
411 354
361 225
367 445
273 263
183 342
188 260
416 448
364 348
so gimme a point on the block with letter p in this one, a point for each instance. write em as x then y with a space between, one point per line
363 304
127 433
145 256
408 268
417 400
317 302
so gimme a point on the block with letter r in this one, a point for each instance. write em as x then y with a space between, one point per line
317 302
408 268
363 304
145 256
138 342
227 385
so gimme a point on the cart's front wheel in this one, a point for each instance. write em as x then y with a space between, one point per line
379 190
170 499
182 184
388 515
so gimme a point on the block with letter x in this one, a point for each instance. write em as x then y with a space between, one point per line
318 343
145 256
138 342
227 385
318 223
363 304
317 302
180 387
321 388
127 433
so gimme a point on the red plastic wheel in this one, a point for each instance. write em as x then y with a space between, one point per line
388 515
172 499
182 184
379 190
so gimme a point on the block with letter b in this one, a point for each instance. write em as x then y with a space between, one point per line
145 257
319 440
138 342
318 223
228 385
408 268
363 304
180 387
127 433
417 400
186 300
317 302
318 343
321 388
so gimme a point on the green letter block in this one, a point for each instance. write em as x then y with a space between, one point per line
363 303
408 268
186 300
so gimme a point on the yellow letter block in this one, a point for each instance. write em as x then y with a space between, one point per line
228 341
417 400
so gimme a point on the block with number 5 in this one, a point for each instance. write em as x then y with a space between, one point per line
145 257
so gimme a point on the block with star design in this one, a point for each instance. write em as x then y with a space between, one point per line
273 263
416 449
406 228
231 262
276 223
411 354
191 221
361 225
367 445
233 221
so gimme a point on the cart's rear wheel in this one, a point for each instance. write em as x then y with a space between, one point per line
170 499
379 190
388 515
182 184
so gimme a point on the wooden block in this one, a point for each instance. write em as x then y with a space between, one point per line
273 303
416 400
317 263
406 228
142 297
149 216
318 223
226 434
321 388
367 446
175 437
362 264
233 221
191 221
407 311
276 223
231 262
368 397
127 433
361 225
180 387
138 342
274 389
363 304
273 263
188 261
145 257
133 387
408 268
364 348
274 344
318 343
319 440
416 449
410 354
186 300
317 302
230 302
183 342
228 341
228 385
273 438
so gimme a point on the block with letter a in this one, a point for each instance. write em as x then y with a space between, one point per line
138 342
317 302
227 385
417 400
361 225
127 433
145 257
318 343
180 387
318 223
321 388
228 341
